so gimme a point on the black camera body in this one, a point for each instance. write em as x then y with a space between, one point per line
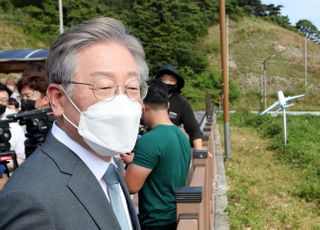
5 153
5 136
38 123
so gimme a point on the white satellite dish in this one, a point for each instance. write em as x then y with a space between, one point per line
283 104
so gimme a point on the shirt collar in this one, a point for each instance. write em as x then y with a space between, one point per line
96 165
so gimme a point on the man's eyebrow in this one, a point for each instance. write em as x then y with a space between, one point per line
101 73
111 74
134 74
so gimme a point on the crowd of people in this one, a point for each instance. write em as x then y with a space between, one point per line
21 95
96 84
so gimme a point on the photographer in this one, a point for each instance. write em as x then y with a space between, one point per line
17 134
32 88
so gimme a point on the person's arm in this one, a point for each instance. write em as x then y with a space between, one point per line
144 160
190 124
135 176
127 158
197 144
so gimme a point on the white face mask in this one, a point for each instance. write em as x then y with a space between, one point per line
110 127
11 87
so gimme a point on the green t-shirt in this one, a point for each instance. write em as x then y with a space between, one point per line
166 150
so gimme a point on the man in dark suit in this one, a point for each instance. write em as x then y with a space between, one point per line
97 74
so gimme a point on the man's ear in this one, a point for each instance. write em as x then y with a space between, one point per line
145 108
55 97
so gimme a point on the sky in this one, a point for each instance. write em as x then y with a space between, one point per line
299 9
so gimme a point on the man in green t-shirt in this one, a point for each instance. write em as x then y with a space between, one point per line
160 164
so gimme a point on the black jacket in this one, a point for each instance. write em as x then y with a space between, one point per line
180 112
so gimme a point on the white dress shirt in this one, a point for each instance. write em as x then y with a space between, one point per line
96 165
17 140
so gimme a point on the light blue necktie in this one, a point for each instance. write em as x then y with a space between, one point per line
111 178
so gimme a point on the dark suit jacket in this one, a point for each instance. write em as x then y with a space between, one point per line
54 189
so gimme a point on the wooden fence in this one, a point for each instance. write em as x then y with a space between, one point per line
195 202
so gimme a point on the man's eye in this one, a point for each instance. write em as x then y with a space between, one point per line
131 88
105 87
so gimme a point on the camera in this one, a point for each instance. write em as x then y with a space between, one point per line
5 153
5 136
38 124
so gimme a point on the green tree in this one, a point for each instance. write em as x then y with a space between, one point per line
306 27
169 30
76 11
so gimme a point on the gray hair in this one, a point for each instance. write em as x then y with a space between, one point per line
61 61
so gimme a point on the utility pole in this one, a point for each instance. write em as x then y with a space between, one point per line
261 90
264 64
224 70
227 31
265 83
305 65
61 16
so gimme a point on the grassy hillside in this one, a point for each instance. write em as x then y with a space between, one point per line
252 40
12 37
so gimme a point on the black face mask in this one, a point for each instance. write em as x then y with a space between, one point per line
171 88
2 109
27 105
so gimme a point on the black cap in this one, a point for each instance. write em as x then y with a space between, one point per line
169 69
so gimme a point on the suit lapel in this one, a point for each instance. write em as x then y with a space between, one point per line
87 189
82 183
